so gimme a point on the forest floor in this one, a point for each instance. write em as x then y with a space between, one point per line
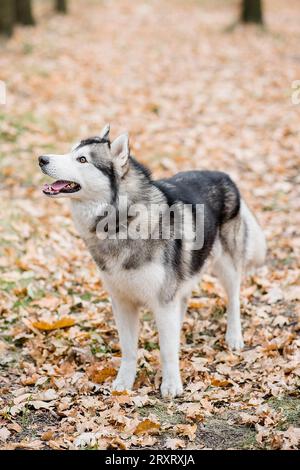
192 95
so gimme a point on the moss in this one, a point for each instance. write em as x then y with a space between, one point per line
150 345
249 441
290 408
217 433
161 411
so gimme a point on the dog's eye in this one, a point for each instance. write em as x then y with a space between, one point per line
82 159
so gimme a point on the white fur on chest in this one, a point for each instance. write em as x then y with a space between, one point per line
140 285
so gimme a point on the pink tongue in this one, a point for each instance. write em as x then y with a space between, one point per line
58 185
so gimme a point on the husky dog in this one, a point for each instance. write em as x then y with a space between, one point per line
155 272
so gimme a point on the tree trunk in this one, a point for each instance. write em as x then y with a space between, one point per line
24 13
7 17
252 11
61 6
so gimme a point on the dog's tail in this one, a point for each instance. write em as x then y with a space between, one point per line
243 239
254 239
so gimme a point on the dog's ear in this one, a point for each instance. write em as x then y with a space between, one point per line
104 134
120 153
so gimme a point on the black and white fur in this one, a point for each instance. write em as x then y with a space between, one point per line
158 274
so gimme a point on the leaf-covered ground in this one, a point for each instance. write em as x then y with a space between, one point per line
192 96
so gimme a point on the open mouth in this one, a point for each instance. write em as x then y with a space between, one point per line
60 187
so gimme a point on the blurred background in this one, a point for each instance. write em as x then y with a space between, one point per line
187 78
206 84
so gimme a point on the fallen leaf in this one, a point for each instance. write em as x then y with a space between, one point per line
187 430
197 303
173 443
50 303
22 398
15 427
4 434
100 376
47 436
116 393
193 411
48 395
85 439
62 323
274 295
219 383
147 427
38 404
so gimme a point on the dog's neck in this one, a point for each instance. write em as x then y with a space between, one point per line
85 213
135 188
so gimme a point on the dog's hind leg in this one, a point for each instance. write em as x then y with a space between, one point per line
168 319
183 306
127 319
230 277
241 245
255 242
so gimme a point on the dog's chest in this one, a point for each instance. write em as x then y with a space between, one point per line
127 273
140 285
129 268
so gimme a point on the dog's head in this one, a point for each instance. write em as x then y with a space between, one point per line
91 170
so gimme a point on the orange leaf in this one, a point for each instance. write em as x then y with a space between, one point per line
47 436
100 376
219 383
117 443
208 286
116 393
62 323
30 380
146 426
197 303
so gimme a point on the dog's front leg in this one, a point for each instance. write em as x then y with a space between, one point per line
127 320
168 319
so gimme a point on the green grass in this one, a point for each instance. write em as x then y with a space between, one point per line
160 410
150 345
290 408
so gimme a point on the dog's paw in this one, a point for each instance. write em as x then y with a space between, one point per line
171 388
121 384
234 341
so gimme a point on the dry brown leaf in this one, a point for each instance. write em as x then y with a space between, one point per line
50 303
187 430
34 445
147 427
62 323
173 443
4 434
247 418
208 286
116 393
219 383
193 411
117 443
100 376
47 436
197 303
30 380
15 427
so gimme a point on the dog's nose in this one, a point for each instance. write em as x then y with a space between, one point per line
43 160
